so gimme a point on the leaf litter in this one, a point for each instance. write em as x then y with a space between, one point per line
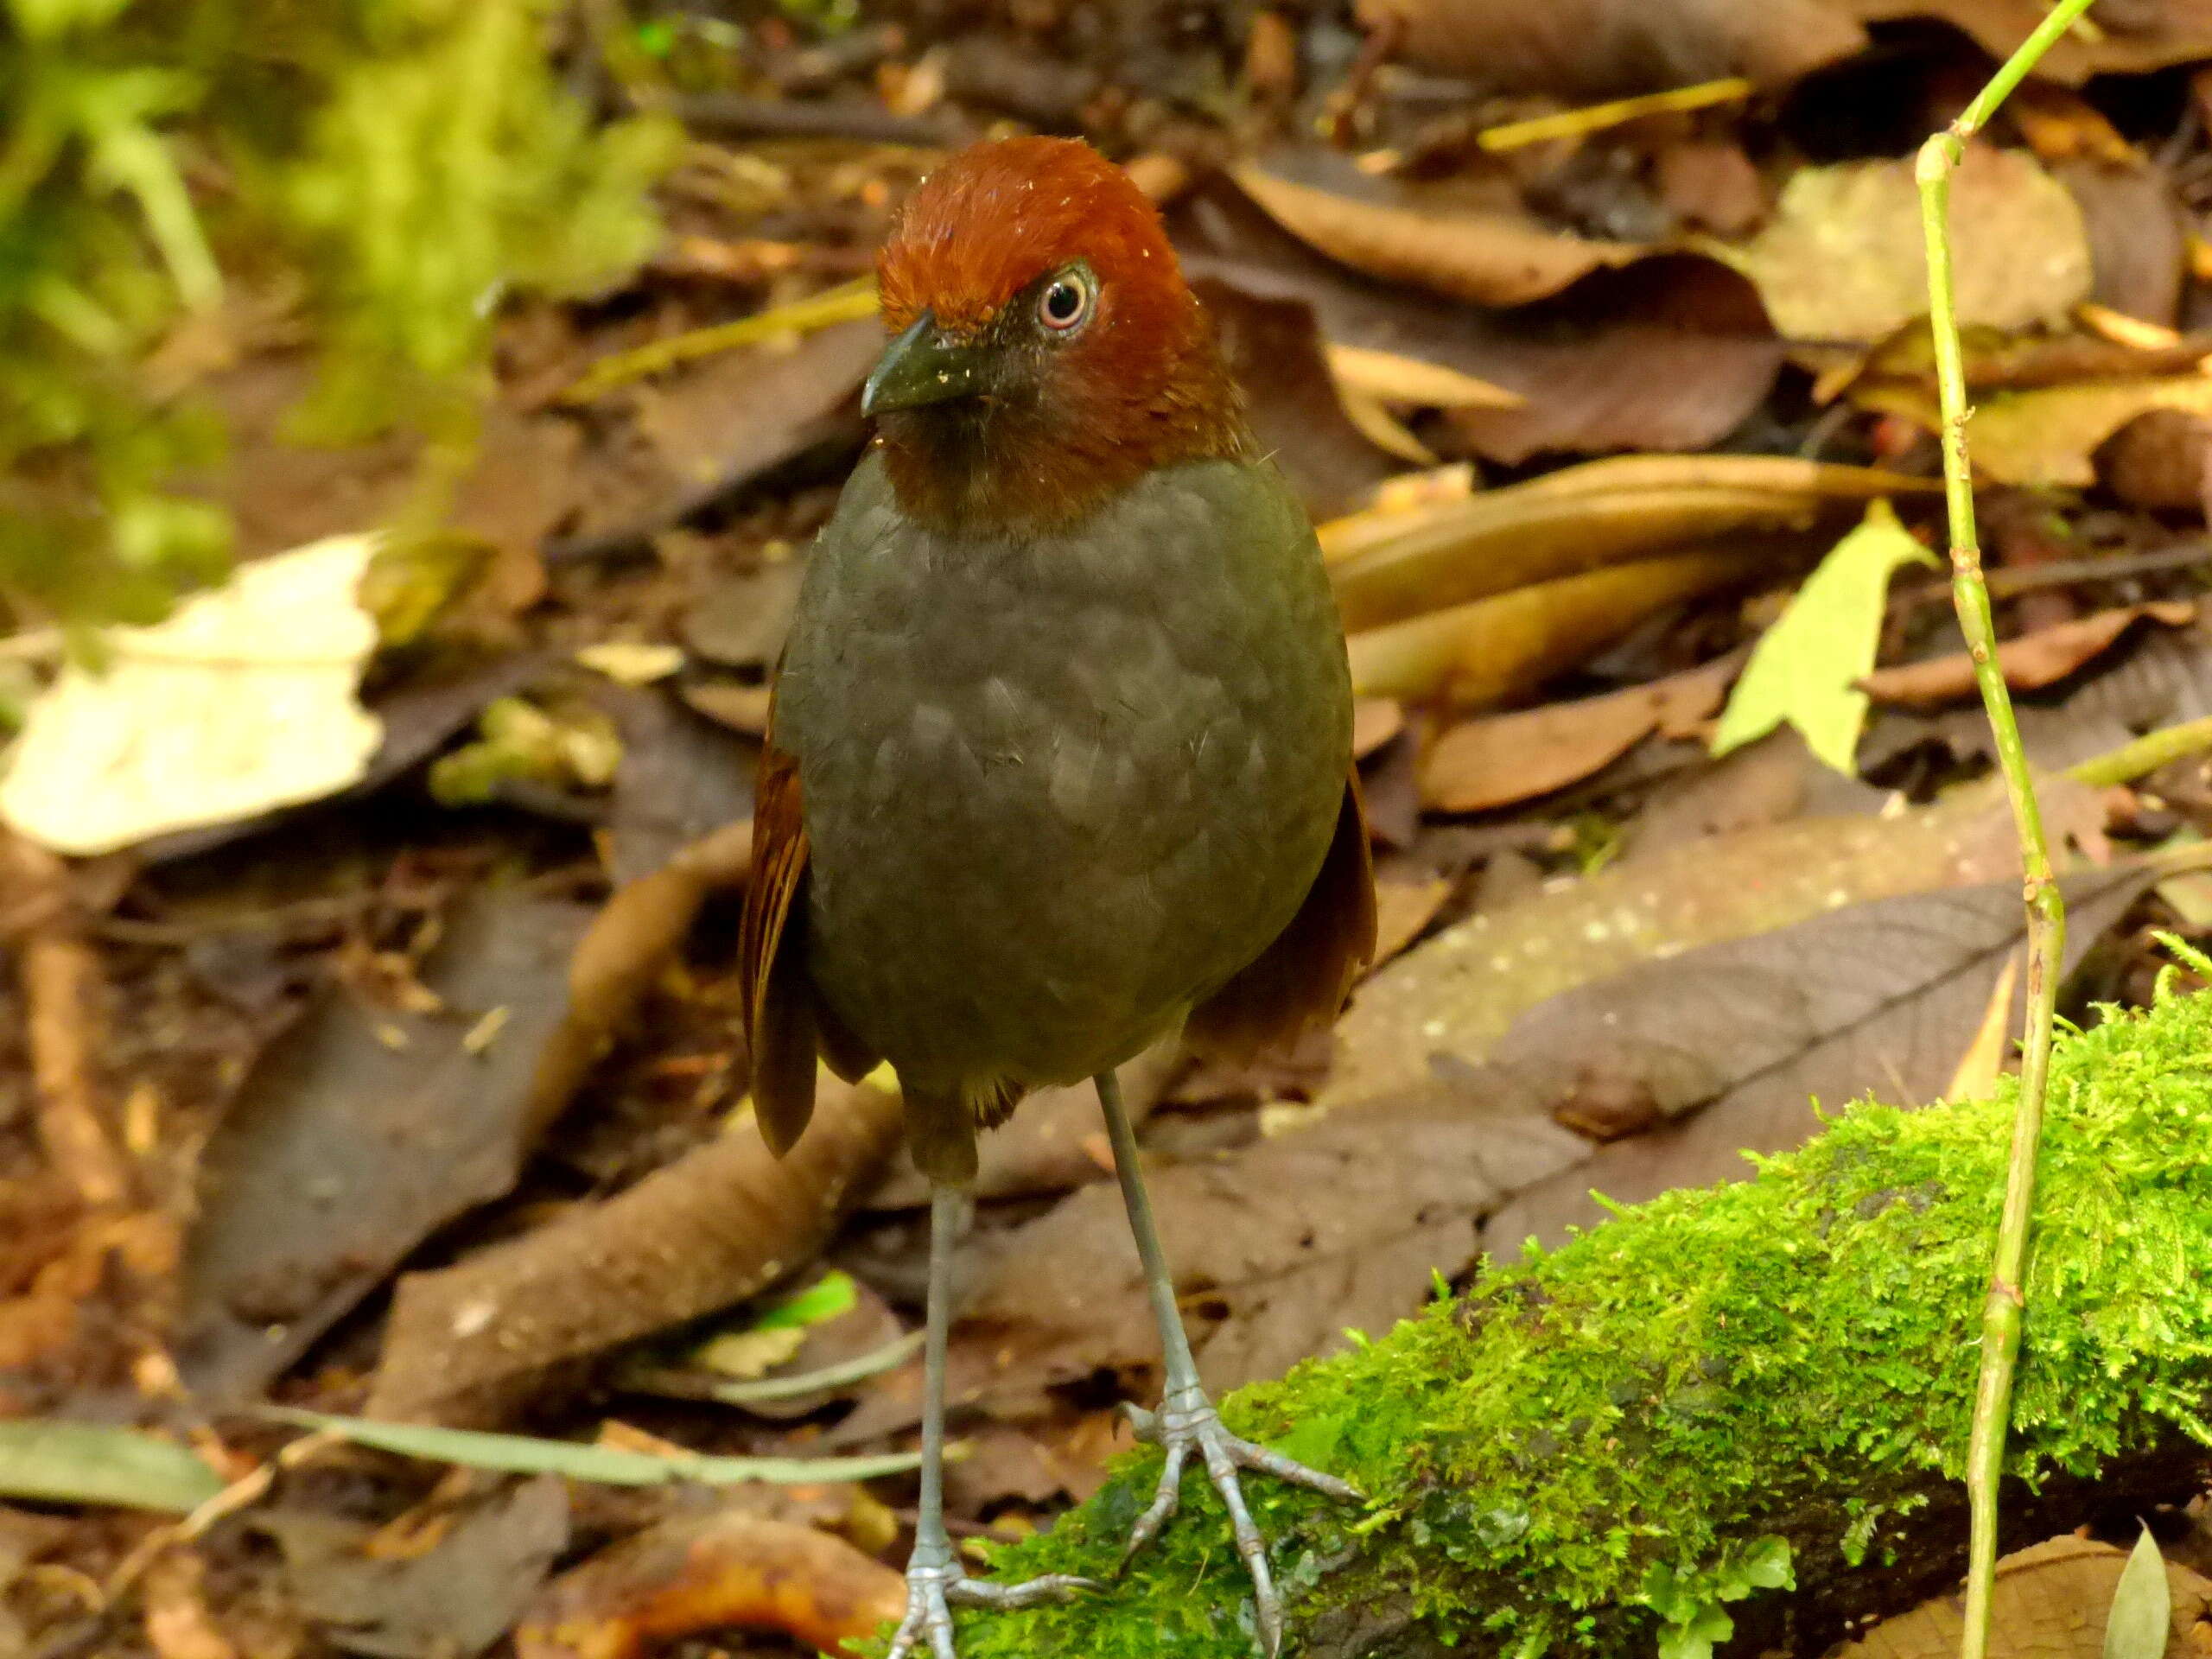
1611 960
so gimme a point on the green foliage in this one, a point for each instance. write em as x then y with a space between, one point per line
1806 667
403 164
1603 1447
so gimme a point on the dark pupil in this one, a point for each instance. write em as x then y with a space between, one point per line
1063 301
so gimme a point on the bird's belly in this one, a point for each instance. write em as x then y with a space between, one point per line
1034 848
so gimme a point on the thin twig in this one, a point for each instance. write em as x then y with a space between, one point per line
60 973
2046 932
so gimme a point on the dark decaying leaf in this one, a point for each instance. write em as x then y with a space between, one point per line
2148 36
1274 349
451 1601
731 1569
1050 1145
1589 49
1277 1249
2139 246
1743 1043
716 425
1666 356
1451 997
359 1132
469 1343
682 777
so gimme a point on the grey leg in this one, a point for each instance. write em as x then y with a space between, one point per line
1187 1419
935 1580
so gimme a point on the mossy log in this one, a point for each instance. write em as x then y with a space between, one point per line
1743 1406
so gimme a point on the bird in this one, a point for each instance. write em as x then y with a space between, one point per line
1058 755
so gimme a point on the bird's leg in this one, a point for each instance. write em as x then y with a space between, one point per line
1187 1419
935 1581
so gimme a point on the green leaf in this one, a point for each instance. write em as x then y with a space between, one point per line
607 1465
2141 1615
92 1463
820 1302
1805 670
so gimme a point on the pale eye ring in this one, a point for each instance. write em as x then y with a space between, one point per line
1066 302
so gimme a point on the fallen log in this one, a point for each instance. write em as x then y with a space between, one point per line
1734 1417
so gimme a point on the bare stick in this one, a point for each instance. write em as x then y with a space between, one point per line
2005 1302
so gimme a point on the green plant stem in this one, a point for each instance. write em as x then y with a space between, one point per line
2005 1303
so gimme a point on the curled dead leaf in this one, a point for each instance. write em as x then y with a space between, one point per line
1388 566
2031 662
1500 759
1495 257
687 1576
1494 648
467 1343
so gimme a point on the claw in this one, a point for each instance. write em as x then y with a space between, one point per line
935 1584
1187 1421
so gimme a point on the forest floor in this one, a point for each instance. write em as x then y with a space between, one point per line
425 1098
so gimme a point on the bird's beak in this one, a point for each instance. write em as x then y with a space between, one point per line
921 366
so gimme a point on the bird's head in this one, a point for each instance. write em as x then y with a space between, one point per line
1046 352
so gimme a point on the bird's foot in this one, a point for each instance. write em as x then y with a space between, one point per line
1187 1420
935 1584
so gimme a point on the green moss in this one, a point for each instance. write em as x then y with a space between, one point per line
1608 1432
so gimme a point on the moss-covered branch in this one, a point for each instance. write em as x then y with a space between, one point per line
1660 1424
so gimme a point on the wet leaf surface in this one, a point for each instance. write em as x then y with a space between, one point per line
1885 996
360 1132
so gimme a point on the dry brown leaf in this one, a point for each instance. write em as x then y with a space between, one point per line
629 943
1375 722
1843 259
2158 460
2050 1601
1500 647
1501 758
1711 184
2031 662
468 1343
1493 257
701 1573
1388 566
1606 49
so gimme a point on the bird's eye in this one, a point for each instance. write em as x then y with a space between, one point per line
1065 303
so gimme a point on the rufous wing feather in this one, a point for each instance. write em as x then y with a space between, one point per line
1300 982
785 1025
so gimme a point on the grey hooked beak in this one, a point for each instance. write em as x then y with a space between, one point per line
921 366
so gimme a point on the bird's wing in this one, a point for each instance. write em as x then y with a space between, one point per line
1300 982
786 1023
